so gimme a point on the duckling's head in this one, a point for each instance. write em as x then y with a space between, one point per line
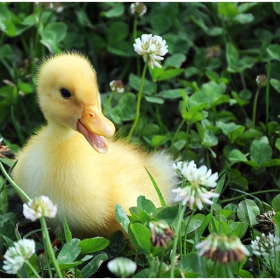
68 95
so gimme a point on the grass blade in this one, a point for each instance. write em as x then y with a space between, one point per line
162 201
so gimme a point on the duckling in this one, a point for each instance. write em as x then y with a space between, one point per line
72 159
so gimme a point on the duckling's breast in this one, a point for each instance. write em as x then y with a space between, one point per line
65 169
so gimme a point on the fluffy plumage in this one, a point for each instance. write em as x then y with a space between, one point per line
68 160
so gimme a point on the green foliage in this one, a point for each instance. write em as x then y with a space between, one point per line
247 211
93 244
276 203
93 265
140 237
121 217
117 242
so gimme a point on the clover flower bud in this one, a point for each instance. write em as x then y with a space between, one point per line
261 81
117 86
213 51
266 221
42 262
222 249
160 233
70 273
138 9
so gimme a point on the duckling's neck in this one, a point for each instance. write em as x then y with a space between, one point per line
60 131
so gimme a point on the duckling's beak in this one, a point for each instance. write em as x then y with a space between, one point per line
94 126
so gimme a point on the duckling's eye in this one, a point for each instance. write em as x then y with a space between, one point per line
65 93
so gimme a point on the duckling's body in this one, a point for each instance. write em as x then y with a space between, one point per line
62 163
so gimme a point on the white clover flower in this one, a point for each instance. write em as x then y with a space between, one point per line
122 267
266 245
196 176
194 192
138 9
16 256
194 195
152 48
13 265
38 207
117 86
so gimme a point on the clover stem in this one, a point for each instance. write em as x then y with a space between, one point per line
176 238
267 95
255 107
138 104
18 189
48 245
107 103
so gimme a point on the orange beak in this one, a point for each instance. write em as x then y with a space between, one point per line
95 126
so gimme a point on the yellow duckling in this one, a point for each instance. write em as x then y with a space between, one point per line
71 162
